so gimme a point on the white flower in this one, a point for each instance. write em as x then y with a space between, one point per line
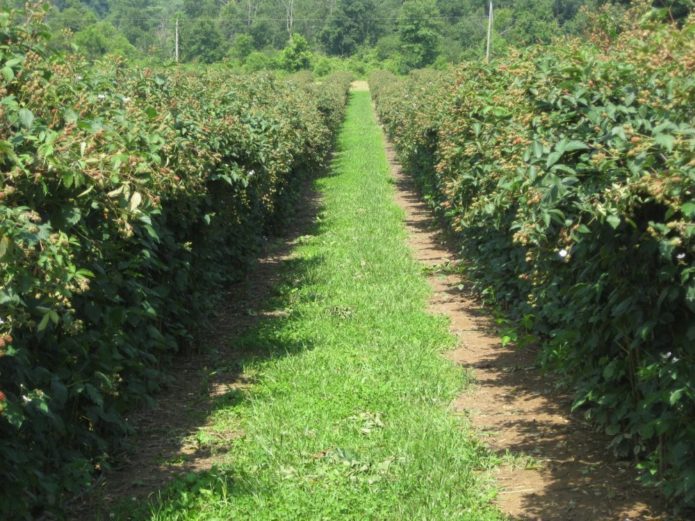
563 253
680 256
101 96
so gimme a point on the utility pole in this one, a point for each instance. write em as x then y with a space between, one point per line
176 46
489 34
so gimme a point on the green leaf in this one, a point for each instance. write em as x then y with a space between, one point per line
613 220
14 415
72 216
553 158
675 396
690 297
70 116
4 246
94 394
7 74
135 201
68 179
575 145
537 149
44 322
688 209
26 118
665 140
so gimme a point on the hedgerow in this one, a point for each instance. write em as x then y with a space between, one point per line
128 198
569 174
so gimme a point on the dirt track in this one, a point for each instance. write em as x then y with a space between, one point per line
560 468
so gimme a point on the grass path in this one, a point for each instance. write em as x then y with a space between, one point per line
349 418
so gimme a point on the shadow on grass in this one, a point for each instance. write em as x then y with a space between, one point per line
173 447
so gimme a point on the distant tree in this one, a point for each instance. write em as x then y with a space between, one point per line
677 9
75 16
100 7
296 56
263 33
290 8
259 61
533 21
202 42
200 8
350 25
419 29
565 10
242 47
137 20
232 20
103 38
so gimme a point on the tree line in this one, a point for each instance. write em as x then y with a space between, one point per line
405 34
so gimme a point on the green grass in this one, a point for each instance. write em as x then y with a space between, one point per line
349 418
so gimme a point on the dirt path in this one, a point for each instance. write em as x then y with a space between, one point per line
174 437
359 86
560 468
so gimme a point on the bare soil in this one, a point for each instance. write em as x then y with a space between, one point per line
558 467
166 442
359 86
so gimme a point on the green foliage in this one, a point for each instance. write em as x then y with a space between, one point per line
338 27
137 20
568 173
260 61
419 33
129 198
75 16
103 38
351 25
296 56
242 47
202 42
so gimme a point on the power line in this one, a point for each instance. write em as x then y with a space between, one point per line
267 19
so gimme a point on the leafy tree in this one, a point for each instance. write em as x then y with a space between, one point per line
103 38
202 42
242 47
676 9
75 17
566 10
200 8
296 56
350 25
136 20
263 33
419 29
533 21
232 20
258 61
100 7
